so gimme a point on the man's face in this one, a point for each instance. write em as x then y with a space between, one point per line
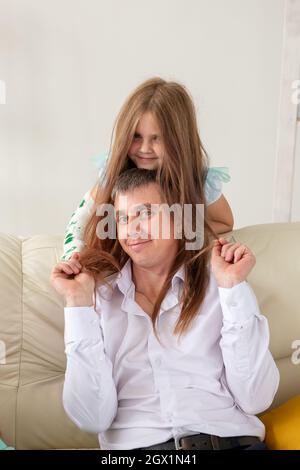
135 220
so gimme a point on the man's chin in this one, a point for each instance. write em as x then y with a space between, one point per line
142 262
142 259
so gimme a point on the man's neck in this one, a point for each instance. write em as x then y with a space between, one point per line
149 281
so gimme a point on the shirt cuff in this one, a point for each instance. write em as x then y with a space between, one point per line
238 303
81 323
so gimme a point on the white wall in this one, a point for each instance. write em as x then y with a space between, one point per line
69 65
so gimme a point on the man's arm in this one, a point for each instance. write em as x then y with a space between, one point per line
250 370
89 394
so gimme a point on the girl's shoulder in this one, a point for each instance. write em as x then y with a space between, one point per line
100 161
214 179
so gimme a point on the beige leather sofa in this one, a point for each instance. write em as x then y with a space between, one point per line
31 331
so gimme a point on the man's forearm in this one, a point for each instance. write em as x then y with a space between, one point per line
250 369
89 395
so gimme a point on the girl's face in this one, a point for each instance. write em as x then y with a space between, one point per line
147 148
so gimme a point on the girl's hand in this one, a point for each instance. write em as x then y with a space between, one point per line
75 285
231 262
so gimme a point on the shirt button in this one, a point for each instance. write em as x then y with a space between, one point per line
158 362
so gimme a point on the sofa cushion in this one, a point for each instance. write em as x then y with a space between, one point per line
32 329
283 426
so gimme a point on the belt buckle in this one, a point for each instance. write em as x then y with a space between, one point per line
177 439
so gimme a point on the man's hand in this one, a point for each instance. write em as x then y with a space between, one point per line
77 287
231 262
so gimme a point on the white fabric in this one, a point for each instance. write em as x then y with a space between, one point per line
121 383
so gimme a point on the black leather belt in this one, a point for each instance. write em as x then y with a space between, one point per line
204 442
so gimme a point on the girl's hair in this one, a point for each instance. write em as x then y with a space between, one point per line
180 177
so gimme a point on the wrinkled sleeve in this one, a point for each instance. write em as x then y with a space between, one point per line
101 163
251 372
215 177
73 241
89 393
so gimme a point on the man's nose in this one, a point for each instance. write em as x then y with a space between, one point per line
133 228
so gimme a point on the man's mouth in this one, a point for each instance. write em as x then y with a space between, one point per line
138 242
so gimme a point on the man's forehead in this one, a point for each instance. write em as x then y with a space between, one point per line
133 199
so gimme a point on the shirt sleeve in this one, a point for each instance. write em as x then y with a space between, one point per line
250 370
101 163
89 393
73 240
213 184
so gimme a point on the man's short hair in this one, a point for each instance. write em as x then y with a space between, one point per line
132 179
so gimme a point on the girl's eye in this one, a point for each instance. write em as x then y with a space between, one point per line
136 136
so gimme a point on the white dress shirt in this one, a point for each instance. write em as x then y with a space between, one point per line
134 392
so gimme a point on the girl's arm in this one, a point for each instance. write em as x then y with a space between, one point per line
73 241
220 216
218 211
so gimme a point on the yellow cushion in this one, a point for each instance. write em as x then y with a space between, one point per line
283 426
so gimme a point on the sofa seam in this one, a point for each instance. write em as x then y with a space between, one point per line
43 380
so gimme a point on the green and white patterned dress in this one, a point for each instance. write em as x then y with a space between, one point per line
73 241
3 446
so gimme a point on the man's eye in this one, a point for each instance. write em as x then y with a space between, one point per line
122 219
144 214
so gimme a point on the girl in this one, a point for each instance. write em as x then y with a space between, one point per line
156 129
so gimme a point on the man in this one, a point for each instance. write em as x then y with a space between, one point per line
140 390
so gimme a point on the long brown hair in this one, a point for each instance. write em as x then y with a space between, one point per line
180 177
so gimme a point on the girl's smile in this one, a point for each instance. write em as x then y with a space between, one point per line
144 159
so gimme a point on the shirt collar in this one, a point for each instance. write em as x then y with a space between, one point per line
123 280
179 275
